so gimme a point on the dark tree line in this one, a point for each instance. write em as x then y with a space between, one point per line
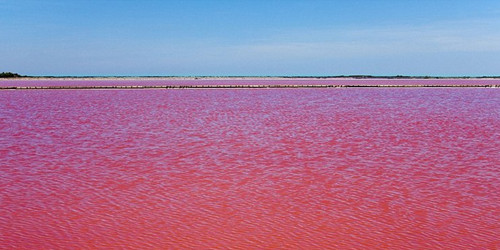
9 75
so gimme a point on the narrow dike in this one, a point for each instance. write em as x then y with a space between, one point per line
244 86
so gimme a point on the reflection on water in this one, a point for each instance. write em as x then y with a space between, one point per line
308 168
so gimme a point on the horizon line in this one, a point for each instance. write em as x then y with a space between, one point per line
358 76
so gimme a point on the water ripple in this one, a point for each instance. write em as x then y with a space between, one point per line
296 168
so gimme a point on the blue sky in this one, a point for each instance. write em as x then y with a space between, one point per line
250 37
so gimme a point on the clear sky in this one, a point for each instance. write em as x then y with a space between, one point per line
250 37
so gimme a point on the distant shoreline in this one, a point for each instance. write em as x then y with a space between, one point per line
239 82
259 86
350 77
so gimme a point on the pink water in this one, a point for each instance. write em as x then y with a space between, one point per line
258 168
176 82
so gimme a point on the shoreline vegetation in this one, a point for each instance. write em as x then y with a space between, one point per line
11 75
236 85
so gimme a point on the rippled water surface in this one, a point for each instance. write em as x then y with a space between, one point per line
261 168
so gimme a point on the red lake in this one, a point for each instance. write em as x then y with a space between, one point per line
250 168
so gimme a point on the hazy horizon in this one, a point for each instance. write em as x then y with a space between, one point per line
250 38
262 76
